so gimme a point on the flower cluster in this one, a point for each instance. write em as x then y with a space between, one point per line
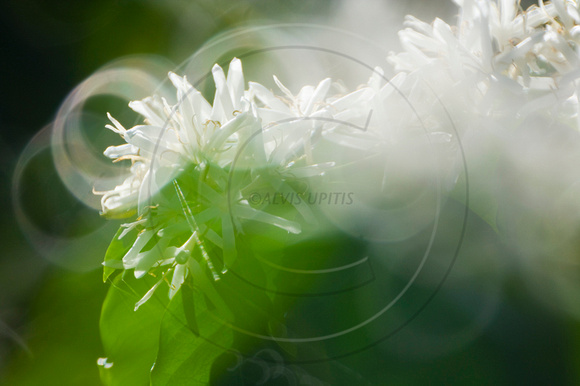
193 162
497 51
509 79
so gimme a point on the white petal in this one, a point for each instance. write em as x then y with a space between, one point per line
268 98
349 100
179 275
151 108
115 152
317 96
222 103
249 213
283 88
235 82
146 260
181 84
507 11
117 128
148 295
129 260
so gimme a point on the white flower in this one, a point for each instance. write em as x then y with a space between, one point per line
499 61
194 144
183 158
190 132
534 47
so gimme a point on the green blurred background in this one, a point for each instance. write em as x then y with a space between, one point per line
49 312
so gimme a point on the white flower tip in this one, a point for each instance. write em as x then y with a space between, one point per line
282 87
144 299
236 64
117 127
179 82
149 293
116 264
278 83
295 229
104 363
174 77
216 69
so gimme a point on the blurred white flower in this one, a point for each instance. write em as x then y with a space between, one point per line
508 79
500 65
496 48
496 37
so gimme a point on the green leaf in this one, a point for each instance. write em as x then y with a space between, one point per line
191 338
116 250
130 338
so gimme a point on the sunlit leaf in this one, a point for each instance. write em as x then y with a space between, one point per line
190 340
130 338
116 250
